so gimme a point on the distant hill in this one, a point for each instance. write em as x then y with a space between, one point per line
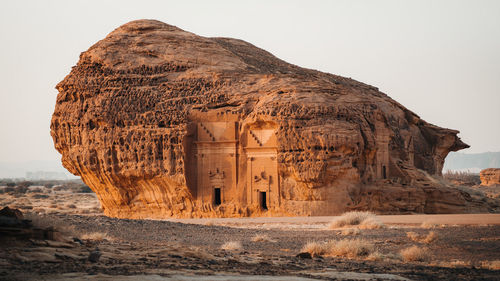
472 162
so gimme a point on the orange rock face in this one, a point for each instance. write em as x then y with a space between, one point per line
160 122
490 177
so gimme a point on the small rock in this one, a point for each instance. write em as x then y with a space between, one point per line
94 255
304 255
11 213
77 240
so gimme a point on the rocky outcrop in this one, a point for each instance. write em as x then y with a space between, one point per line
14 226
490 177
161 122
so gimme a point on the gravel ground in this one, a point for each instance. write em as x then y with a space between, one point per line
470 242
162 247
176 249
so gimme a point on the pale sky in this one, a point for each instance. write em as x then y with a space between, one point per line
441 59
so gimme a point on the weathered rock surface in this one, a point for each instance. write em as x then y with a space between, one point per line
161 122
490 177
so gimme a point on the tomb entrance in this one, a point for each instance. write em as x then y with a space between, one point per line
262 167
217 197
263 200
216 160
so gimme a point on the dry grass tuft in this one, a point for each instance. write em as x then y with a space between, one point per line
95 236
376 256
491 265
413 236
314 248
429 224
429 238
415 253
455 264
350 231
262 238
366 220
371 223
349 248
232 246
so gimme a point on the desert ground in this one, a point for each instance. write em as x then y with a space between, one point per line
89 246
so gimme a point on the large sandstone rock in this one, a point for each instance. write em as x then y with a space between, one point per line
490 177
161 122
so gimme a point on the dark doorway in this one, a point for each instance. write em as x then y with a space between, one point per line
263 200
384 172
217 199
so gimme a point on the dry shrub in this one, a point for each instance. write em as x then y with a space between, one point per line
35 190
314 248
232 246
376 256
366 220
39 196
429 224
95 236
455 264
415 253
491 265
350 231
413 236
429 238
350 218
262 238
371 223
71 206
349 248
343 248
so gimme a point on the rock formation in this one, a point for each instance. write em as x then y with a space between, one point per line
490 177
14 226
161 122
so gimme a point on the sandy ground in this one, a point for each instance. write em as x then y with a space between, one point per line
440 219
466 247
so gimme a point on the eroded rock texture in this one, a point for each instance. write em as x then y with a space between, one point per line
161 122
490 177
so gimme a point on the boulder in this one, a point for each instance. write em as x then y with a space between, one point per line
14 226
161 122
11 213
490 177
